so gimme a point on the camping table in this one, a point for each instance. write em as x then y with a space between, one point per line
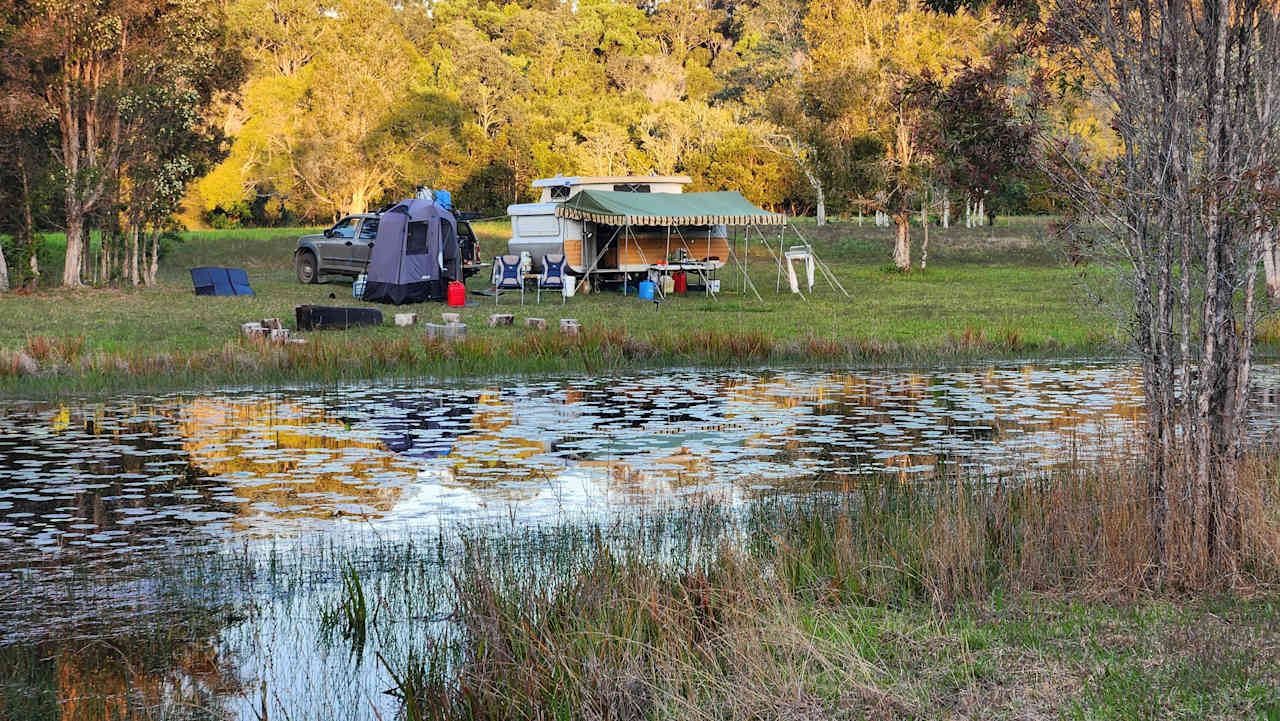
705 270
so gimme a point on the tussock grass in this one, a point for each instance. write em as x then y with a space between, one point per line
788 612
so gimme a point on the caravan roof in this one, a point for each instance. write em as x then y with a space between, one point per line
596 179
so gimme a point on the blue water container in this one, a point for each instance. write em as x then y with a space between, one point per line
647 288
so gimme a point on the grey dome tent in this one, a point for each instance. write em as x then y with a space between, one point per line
415 254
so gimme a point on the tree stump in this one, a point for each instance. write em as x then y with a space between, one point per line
539 323
406 319
272 323
498 319
451 317
570 326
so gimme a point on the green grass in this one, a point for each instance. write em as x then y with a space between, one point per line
987 292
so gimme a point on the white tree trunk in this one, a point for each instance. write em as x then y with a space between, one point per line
946 210
924 223
982 211
71 264
134 276
902 248
1271 262
4 273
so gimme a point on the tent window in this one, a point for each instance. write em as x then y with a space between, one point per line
632 188
559 192
416 241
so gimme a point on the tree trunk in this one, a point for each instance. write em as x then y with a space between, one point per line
1271 262
153 266
4 272
28 226
75 233
902 248
924 223
134 277
981 218
818 194
946 210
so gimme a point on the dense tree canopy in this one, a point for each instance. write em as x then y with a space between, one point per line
289 110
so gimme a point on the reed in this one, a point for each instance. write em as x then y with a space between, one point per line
740 626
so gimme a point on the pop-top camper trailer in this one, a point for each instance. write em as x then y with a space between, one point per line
600 248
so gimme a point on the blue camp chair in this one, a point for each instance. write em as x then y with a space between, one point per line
506 275
220 281
202 279
552 275
239 281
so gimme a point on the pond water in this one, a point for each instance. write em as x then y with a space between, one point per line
93 490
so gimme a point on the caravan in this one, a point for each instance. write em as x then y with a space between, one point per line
597 247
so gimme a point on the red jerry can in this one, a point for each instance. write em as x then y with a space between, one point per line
682 283
456 294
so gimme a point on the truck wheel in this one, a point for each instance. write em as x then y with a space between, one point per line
306 266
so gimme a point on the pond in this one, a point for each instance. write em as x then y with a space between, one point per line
208 533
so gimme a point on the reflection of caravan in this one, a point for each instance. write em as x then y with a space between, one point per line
535 229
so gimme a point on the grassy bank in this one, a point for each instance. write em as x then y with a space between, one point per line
989 292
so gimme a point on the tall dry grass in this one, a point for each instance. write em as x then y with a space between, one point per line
732 633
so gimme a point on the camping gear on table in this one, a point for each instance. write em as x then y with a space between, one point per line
456 296
323 317
506 276
552 274
220 281
414 254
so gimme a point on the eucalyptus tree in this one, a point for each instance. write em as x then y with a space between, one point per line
869 64
1191 86
85 64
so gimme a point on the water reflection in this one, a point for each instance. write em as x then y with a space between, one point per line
134 472
129 478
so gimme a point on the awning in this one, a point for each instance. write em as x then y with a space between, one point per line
609 207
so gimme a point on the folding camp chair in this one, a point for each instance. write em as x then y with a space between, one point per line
552 275
506 275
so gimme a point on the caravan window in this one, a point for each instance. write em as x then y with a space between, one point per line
632 188
537 225
415 242
559 192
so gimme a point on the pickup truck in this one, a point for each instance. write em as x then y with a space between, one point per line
344 248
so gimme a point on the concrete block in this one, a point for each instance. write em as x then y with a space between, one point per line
406 319
448 331
498 319
451 317
539 323
570 326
